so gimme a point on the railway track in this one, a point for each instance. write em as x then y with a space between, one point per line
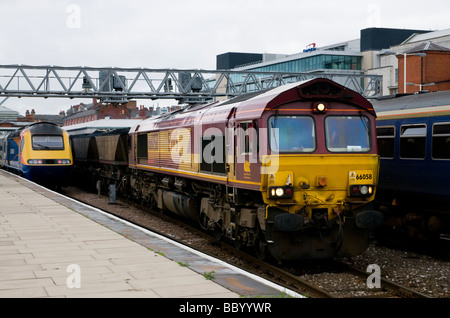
438 248
305 278
389 286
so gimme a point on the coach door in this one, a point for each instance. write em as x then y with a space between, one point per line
247 169
230 151
13 153
230 154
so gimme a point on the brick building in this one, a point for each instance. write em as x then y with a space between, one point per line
429 72
83 113
431 67
33 117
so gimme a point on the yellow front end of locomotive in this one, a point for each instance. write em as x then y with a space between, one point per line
322 186
35 153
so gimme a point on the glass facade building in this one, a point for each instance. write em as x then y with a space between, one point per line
340 60
316 62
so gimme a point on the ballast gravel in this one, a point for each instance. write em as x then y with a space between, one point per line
423 273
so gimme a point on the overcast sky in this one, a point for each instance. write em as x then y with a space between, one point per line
187 33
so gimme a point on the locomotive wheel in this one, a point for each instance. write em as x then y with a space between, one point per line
435 225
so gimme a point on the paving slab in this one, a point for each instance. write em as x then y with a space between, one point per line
62 248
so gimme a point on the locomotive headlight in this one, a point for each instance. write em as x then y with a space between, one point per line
320 107
285 192
364 190
279 192
361 190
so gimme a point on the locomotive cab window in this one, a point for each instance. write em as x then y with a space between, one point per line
347 133
47 142
413 141
441 141
386 141
292 134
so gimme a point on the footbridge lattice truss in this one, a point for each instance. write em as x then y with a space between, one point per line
111 84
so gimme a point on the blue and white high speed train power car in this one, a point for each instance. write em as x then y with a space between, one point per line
40 152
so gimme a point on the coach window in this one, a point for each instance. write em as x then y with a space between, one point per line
441 141
413 141
386 141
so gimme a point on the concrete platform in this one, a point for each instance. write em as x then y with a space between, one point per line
52 246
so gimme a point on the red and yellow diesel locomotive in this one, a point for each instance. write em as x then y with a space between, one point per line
291 171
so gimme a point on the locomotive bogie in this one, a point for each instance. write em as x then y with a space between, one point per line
142 187
239 225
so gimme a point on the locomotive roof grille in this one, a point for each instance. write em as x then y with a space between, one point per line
243 98
45 128
38 128
322 89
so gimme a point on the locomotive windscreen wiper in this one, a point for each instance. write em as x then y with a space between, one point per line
40 145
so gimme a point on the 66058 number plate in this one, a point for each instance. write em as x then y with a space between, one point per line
360 177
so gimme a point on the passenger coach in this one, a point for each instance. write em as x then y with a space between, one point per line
414 146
